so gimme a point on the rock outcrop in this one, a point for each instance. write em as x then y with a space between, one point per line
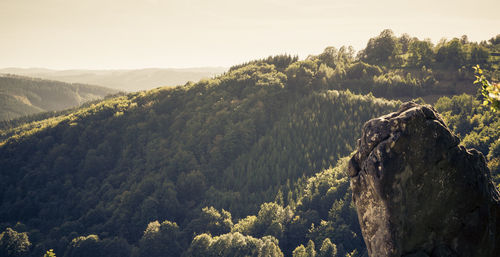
419 193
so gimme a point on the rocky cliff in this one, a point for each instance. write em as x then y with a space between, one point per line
419 193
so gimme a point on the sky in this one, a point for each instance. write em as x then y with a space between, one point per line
133 34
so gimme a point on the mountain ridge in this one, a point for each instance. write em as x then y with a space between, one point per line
27 95
123 79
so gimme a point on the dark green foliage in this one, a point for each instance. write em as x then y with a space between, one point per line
382 49
281 62
477 126
304 141
116 247
479 55
406 68
301 75
23 95
232 142
323 216
91 245
13 243
451 54
334 58
191 185
328 249
421 54
494 161
210 221
325 211
8 127
362 70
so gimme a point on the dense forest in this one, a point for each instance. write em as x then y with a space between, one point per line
250 163
21 96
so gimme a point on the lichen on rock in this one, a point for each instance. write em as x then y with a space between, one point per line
419 193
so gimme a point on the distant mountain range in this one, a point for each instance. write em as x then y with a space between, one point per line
21 96
124 80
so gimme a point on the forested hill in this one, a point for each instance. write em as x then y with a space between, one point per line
405 67
123 80
233 142
20 96
238 165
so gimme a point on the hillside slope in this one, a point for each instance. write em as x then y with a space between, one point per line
21 96
123 80
233 142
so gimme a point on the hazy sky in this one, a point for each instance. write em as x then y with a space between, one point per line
106 34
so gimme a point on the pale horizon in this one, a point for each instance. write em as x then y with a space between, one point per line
133 34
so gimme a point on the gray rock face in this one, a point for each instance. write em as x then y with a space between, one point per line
418 193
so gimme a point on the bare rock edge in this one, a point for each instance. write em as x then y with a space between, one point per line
419 193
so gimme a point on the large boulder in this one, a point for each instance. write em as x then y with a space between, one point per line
419 193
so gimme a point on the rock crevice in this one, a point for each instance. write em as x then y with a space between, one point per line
419 193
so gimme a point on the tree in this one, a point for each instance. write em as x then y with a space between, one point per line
233 245
490 91
13 243
49 253
211 221
310 249
200 246
479 55
404 41
334 58
421 54
301 75
381 49
302 251
495 40
270 221
84 246
329 56
116 247
191 185
160 240
451 54
328 249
